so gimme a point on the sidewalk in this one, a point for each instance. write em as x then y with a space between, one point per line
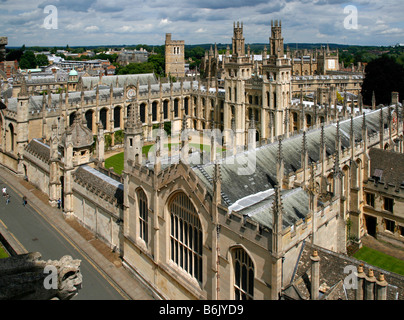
94 249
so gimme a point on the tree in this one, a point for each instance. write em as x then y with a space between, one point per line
154 64
28 60
14 54
136 68
158 62
382 76
41 60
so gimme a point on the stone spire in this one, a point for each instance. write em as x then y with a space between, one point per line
217 183
304 158
23 91
381 129
279 164
277 210
373 101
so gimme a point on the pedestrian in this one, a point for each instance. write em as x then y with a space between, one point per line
4 191
7 198
59 202
24 201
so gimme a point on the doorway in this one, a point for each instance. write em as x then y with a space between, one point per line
371 223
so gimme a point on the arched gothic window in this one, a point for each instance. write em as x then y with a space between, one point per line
143 215
243 275
186 236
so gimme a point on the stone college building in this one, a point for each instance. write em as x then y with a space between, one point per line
278 191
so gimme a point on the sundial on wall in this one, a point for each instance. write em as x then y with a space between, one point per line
131 93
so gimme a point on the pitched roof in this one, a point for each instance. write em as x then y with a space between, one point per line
100 183
38 149
332 276
386 165
120 80
262 160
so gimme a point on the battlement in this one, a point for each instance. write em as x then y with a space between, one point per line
246 228
381 186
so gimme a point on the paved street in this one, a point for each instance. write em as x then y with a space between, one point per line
45 231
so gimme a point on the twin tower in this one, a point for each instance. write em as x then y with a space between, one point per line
175 49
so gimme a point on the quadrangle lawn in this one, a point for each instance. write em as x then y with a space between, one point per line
117 160
380 259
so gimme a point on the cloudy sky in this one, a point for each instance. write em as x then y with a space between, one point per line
108 22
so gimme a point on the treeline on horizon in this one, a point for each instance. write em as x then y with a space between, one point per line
384 72
348 54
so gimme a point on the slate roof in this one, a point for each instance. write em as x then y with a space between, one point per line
332 276
80 134
263 170
100 183
295 206
129 79
38 149
386 165
263 164
74 98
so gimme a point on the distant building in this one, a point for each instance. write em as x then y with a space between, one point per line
132 56
174 57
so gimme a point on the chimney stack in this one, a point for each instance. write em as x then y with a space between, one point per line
370 286
315 275
381 288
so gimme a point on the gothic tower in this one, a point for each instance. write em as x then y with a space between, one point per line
238 68
277 83
276 40
238 40
174 57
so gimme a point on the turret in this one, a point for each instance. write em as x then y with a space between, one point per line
276 40
22 125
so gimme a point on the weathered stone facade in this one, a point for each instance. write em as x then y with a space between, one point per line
208 229
174 57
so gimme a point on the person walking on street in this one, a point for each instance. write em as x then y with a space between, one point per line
4 191
7 198
24 201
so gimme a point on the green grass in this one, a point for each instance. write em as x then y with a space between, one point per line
380 259
117 160
3 253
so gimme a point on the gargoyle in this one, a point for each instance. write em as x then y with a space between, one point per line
26 277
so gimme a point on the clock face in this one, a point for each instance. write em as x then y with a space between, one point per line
131 93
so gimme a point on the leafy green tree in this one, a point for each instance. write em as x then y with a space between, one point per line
28 60
158 62
103 56
136 68
42 60
14 54
382 76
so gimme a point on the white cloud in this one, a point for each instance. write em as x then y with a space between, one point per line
91 28
164 22
200 21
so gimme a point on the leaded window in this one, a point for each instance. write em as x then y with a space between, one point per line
186 236
143 215
243 275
